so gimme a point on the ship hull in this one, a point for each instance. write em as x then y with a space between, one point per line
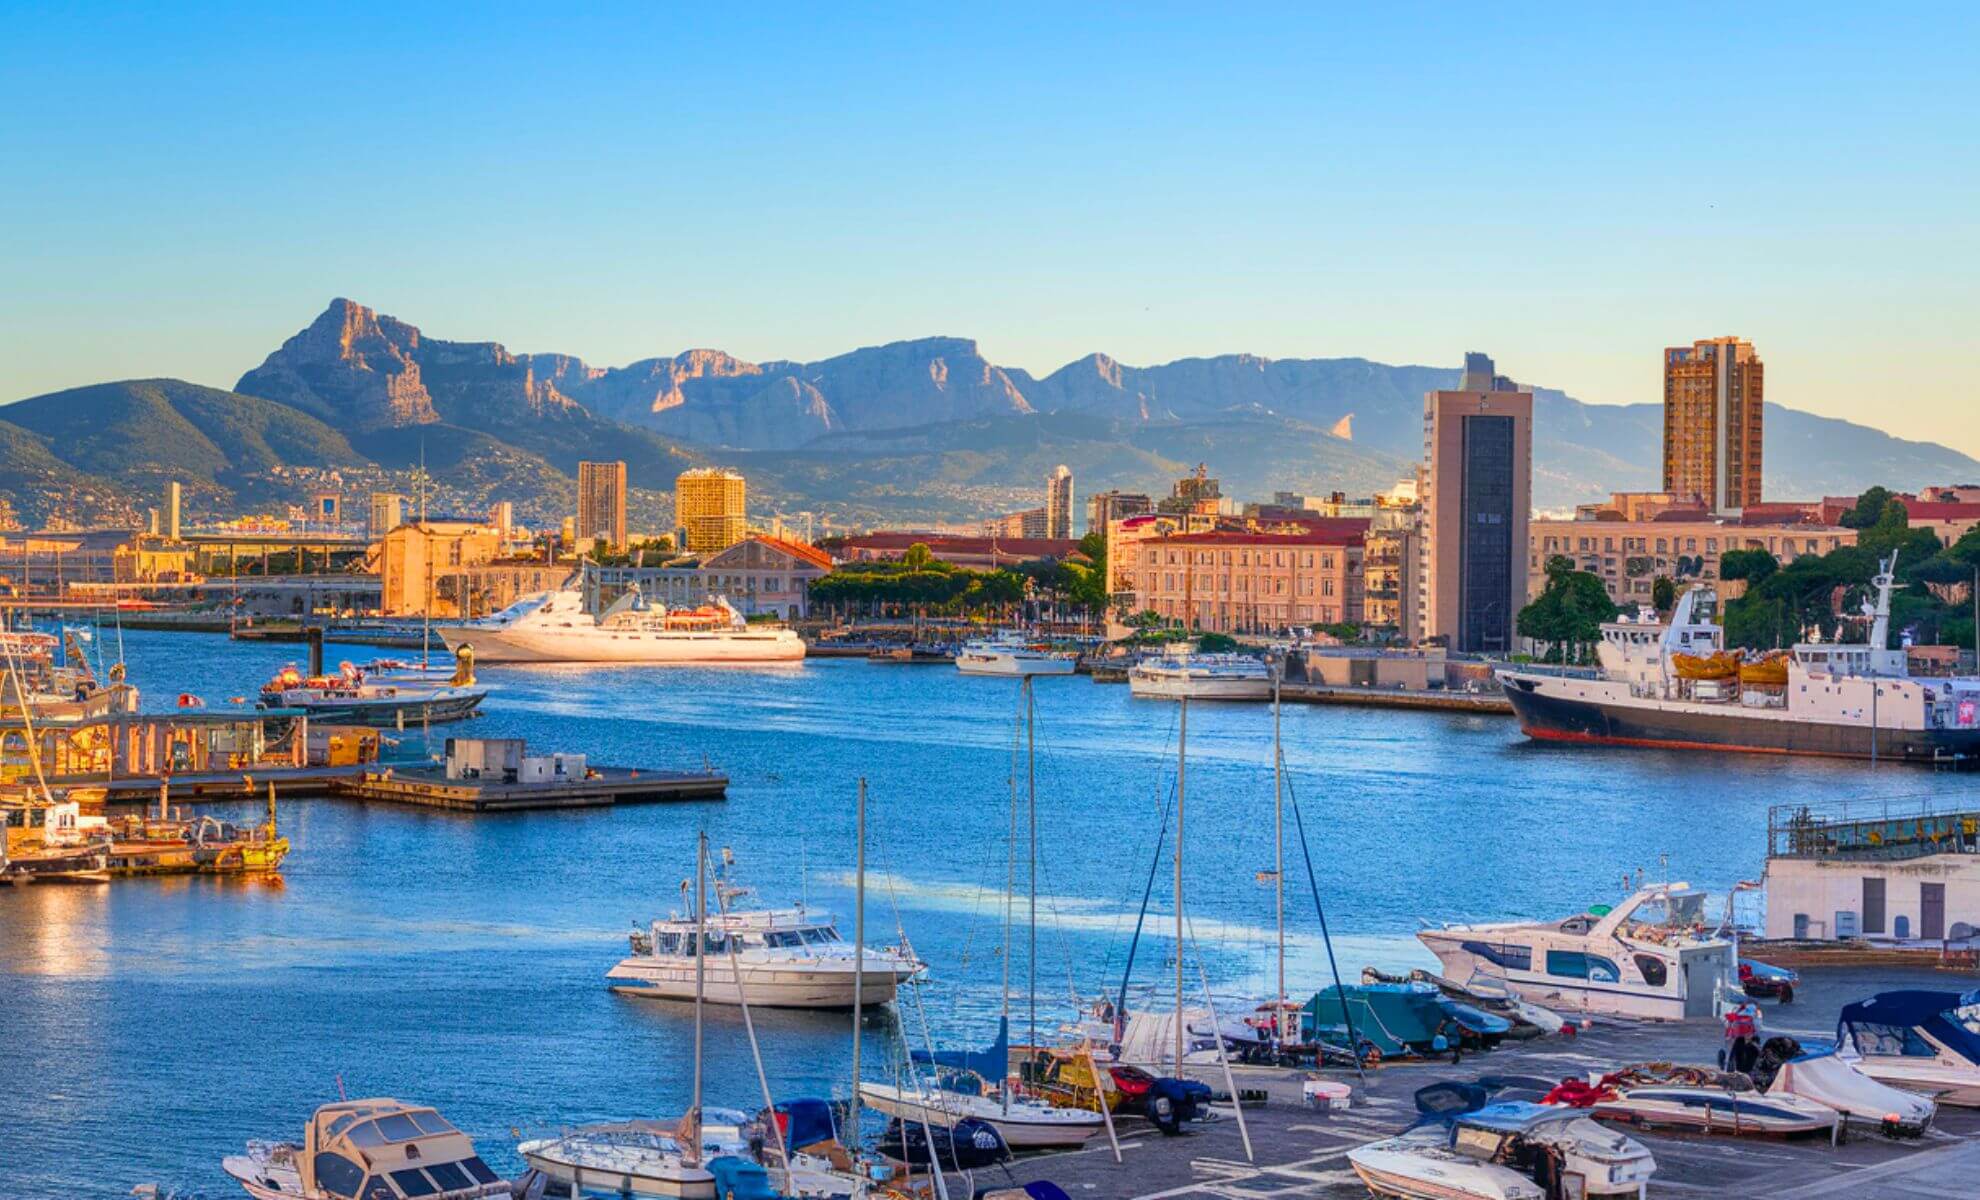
1553 718
589 646
387 714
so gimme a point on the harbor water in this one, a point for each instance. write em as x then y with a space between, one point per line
153 1026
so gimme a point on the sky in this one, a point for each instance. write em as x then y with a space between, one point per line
1569 189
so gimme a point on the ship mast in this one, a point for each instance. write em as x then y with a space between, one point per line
1182 764
1278 856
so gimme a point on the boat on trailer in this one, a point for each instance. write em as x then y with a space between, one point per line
1701 1100
1467 1148
1922 1041
1827 1078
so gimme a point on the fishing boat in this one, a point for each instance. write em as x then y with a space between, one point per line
1645 957
556 627
1179 674
782 958
1921 1041
1012 654
379 1149
1675 684
1463 1145
64 690
354 696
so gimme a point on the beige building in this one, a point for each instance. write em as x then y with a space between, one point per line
1713 402
1231 582
1388 566
1685 546
601 514
388 512
1104 508
1477 491
1059 502
1126 533
412 559
1025 523
710 506
480 589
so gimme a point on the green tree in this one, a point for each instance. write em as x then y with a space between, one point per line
1663 593
1869 507
1568 615
918 557
1751 565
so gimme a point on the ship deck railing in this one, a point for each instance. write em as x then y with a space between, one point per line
1873 829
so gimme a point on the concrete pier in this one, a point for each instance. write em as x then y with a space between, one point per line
1492 703
603 786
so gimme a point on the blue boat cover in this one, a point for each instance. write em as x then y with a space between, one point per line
994 1063
1931 1012
740 1179
807 1122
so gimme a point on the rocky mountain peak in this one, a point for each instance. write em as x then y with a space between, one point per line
349 367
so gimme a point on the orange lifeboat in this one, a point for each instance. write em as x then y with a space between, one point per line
1722 665
1771 671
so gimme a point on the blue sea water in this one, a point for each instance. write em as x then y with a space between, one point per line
152 1026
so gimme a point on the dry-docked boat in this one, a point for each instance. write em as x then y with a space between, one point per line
1500 1151
1926 1042
371 1149
1023 1123
1675 684
1642 958
554 627
1201 677
1012 654
773 958
1704 1100
1828 1078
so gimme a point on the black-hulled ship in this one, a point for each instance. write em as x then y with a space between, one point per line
1674 684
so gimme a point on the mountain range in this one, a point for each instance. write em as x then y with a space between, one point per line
921 430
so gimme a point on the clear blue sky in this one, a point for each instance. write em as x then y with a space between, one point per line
1569 190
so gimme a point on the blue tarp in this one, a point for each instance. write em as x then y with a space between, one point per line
807 1122
1922 1010
994 1063
740 1179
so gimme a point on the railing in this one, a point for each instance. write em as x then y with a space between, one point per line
1873 829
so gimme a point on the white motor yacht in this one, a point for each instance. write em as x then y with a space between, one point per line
376 1149
1921 1041
1012 654
637 1158
1174 676
554 627
1646 957
773 958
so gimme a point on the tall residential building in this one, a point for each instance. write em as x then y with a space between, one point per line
503 518
1104 508
172 510
1476 492
1059 502
601 514
1025 523
1713 398
388 512
709 508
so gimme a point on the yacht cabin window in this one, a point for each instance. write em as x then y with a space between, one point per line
1574 964
338 1175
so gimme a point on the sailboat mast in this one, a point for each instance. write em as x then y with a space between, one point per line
1010 886
859 954
1031 808
691 1152
1182 766
1278 857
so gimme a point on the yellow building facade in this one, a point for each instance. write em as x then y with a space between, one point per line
710 506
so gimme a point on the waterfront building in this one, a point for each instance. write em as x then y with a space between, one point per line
483 588
1104 508
977 553
1628 553
1713 401
1476 490
388 512
710 507
412 559
1905 874
1029 523
601 514
759 576
1227 581
1388 563
172 510
1059 502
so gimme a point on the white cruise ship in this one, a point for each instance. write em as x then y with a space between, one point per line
553 627
1201 677
782 958
1011 654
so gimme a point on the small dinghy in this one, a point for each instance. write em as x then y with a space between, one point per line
1699 1099
1466 1148
1920 1041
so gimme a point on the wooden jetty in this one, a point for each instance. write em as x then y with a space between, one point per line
429 787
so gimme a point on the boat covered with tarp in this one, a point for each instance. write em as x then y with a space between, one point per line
1921 1041
1400 1020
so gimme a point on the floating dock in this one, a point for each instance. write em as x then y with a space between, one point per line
1493 703
429 787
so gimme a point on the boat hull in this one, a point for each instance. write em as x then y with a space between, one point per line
678 1181
762 987
386 714
1173 687
1006 665
642 648
1025 1127
1556 718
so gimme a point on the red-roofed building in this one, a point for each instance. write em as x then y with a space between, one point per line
1947 521
1240 582
979 553
766 575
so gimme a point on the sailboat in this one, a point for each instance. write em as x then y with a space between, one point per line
977 1084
